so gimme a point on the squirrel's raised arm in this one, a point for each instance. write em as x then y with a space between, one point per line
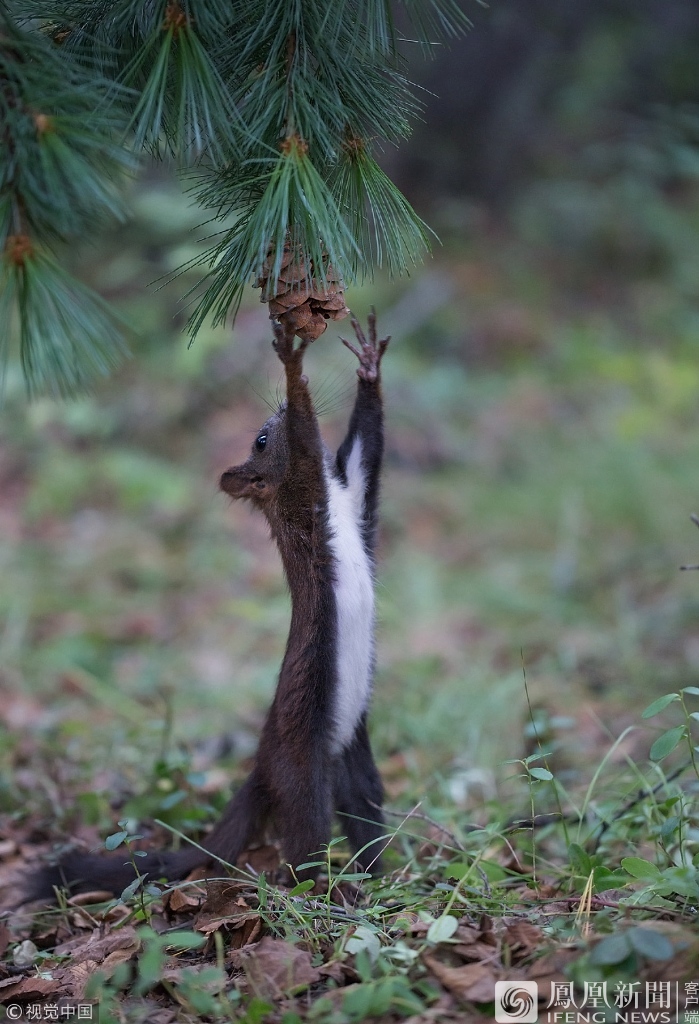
360 454
305 446
291 357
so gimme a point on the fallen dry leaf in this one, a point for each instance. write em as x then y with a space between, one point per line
161 1015
260 860
29 988
551 967
474 951
99 947
275 967
340 971
119 956
5 938
246 933
207 925
523 937
488 930
435 841
75 979
466 935
225 906
474 983
407 921
84 899
180 901
445 1011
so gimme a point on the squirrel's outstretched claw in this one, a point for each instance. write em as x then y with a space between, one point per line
283 344
370 352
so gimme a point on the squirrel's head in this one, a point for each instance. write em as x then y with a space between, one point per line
260 475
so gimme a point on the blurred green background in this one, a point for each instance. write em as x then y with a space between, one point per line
542 390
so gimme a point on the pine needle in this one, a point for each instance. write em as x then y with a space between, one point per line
68 334
388 231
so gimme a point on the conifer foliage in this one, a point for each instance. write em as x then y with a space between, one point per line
275 109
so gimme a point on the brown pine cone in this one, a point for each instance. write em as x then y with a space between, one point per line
298 297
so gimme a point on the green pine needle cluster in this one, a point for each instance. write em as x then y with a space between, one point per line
68 335
274 108
60 160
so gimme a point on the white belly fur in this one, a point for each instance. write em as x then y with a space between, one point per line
354 596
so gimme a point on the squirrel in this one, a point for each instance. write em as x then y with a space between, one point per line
314 755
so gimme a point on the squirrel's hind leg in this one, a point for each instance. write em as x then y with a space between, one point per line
358 798
243 821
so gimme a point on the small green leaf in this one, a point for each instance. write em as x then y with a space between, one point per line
130 890
493 872
650 943
541 773
666 743
612 950
354 876
694 690
302 887
580 861
116 839
357 1001
670 826
183 940
442 929
640 868
680 880
538 756
457 869
172 799
659 705
604 879
365 939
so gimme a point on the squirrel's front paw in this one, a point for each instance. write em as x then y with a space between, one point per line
370 352
283 344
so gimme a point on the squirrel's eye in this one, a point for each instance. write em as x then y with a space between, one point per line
261 442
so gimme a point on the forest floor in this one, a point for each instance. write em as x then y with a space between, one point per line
540 475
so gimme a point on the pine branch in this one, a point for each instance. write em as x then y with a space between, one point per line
436 20
382 222
68 335
297 208
57 179
183 99
331 78
274 108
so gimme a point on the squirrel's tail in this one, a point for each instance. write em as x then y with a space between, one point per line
241 822
89 872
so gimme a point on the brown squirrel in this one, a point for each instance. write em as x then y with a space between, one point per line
314 755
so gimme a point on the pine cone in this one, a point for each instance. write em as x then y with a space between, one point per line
298 297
